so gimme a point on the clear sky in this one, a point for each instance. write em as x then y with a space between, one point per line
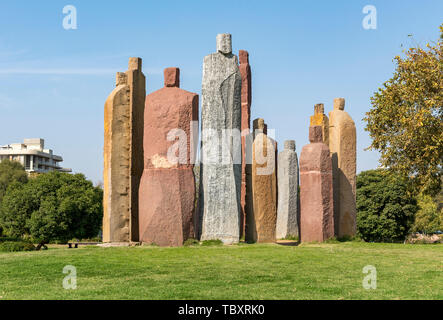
54 82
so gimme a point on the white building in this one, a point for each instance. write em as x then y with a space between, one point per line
33 156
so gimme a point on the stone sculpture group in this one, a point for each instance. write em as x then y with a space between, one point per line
246 189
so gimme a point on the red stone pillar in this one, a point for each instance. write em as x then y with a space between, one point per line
167 188
246 99
316 194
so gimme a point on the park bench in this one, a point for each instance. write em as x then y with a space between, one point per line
82 244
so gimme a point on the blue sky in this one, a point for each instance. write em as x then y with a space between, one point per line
54 82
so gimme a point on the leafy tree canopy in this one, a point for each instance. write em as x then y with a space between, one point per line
429 218
11 171
406 118
52 206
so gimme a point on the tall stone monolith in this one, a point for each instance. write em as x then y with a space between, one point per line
343 147
261 217
123 154
246 100
167 188
320 119
316 193
287 209
221 172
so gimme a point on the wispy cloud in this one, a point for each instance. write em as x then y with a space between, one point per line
71 71
6 102
58 71
12 53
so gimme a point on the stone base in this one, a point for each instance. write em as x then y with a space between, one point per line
115 244
167 202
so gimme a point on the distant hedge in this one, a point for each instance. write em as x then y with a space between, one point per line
15 246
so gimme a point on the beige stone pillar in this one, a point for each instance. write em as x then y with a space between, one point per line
342 145
261 217
123 154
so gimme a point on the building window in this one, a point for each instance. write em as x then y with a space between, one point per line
27 162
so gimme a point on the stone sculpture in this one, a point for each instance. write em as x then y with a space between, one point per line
123 154
342 145
167 188
220 187
288 208
316 193
261 217
320 119
246 99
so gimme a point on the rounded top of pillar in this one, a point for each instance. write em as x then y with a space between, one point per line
339 104
172 77
121 78
315 134
224 43
319 108
135 64
259 124
290 145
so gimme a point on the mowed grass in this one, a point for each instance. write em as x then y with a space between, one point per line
268 271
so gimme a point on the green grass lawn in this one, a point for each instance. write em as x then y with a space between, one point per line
308 271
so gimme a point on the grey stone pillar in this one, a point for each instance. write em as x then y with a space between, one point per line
220 176
288 208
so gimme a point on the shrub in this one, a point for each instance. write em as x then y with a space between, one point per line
291 238
15 246
191 242
429 219
385 208
4 239
210 243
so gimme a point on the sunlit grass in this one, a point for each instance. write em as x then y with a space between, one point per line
311 271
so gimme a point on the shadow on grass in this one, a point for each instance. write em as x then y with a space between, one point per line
288 243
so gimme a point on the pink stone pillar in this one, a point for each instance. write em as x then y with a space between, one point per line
167 188
316 193
246 100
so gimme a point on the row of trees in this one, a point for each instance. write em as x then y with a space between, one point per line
51 206
60 206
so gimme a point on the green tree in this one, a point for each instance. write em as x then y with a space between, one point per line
385 207
53 206
429 217
16 209
11 171
406 118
